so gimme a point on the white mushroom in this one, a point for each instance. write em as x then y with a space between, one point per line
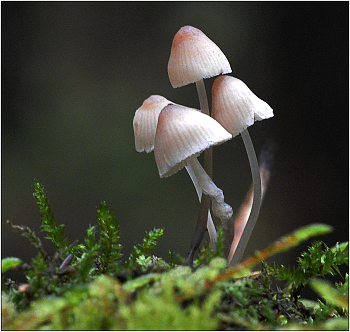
182 134
145 124
194 57
236 108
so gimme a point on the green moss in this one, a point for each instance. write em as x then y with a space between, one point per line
89 287
109 239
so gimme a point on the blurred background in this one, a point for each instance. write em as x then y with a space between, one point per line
73 74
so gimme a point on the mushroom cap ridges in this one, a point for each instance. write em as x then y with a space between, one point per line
194 57
235 106
145 122
181 133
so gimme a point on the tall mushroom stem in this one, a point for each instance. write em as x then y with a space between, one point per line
210 223
204 219
202 95
204 107
220 208
199 231
254 166
266 162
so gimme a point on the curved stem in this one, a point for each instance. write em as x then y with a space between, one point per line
210 223
266 162
220 208
254 166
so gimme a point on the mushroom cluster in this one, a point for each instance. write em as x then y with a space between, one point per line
178 134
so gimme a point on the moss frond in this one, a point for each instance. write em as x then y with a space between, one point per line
148 244
109 239
48 223
85 286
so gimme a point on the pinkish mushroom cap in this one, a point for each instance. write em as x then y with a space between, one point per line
145 122
235 106
194 57
183 132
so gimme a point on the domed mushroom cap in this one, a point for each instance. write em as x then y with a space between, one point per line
194 57
183 132
145 122
235 106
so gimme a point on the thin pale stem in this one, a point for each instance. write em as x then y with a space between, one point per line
208 166
202 95
210 224
254 213
204 106
266 162
220 208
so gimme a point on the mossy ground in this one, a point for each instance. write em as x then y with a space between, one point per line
89 286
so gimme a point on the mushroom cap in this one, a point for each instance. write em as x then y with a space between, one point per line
235 106
194 57
183 132
145 122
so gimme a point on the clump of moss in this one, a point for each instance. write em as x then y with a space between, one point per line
88 286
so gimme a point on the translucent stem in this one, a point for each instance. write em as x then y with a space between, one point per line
202 95
208 161
254 166
266 162
204 106
220 208
210 223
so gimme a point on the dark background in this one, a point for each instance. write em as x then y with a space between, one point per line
73 74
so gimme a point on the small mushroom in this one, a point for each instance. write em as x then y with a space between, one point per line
236 108
145 124
194 57
182 134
